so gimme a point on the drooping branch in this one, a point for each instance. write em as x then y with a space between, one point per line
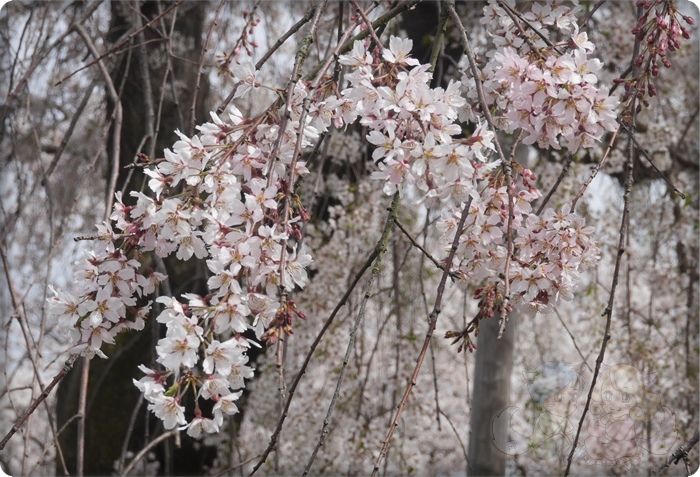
312 348
381 249
624 230
431 328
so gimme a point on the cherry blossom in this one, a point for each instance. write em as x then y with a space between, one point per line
223 196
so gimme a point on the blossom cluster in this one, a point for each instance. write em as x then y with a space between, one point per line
413 129
216 196
226 195
110 283
550 249
413 126
545 88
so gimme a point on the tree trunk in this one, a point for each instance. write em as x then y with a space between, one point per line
491 395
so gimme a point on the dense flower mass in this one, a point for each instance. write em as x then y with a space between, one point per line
545 83
226 195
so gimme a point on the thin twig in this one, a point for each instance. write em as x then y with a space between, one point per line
368 24
120 44
477 78
382 20
299 59
459 438
61 374
116 133
567 166
593 10
573 340
239 465
20 312
82 402
69 133
143 452
37 58
295 28
193 106
641 149
596 169
431 328
312 348
624 227
453 275
127 436
145 71
529 25
381 249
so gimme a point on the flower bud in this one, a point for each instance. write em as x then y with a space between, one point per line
652 90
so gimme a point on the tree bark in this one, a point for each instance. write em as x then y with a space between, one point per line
491 395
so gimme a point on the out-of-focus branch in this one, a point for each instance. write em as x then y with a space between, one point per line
47 391
121 43
143 452
41 56
423 250
624 230
24 324
116 134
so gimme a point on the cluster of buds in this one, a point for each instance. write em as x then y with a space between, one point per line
659 31
244 42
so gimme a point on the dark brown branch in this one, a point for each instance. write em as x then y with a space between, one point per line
47 391
681 453
624 229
